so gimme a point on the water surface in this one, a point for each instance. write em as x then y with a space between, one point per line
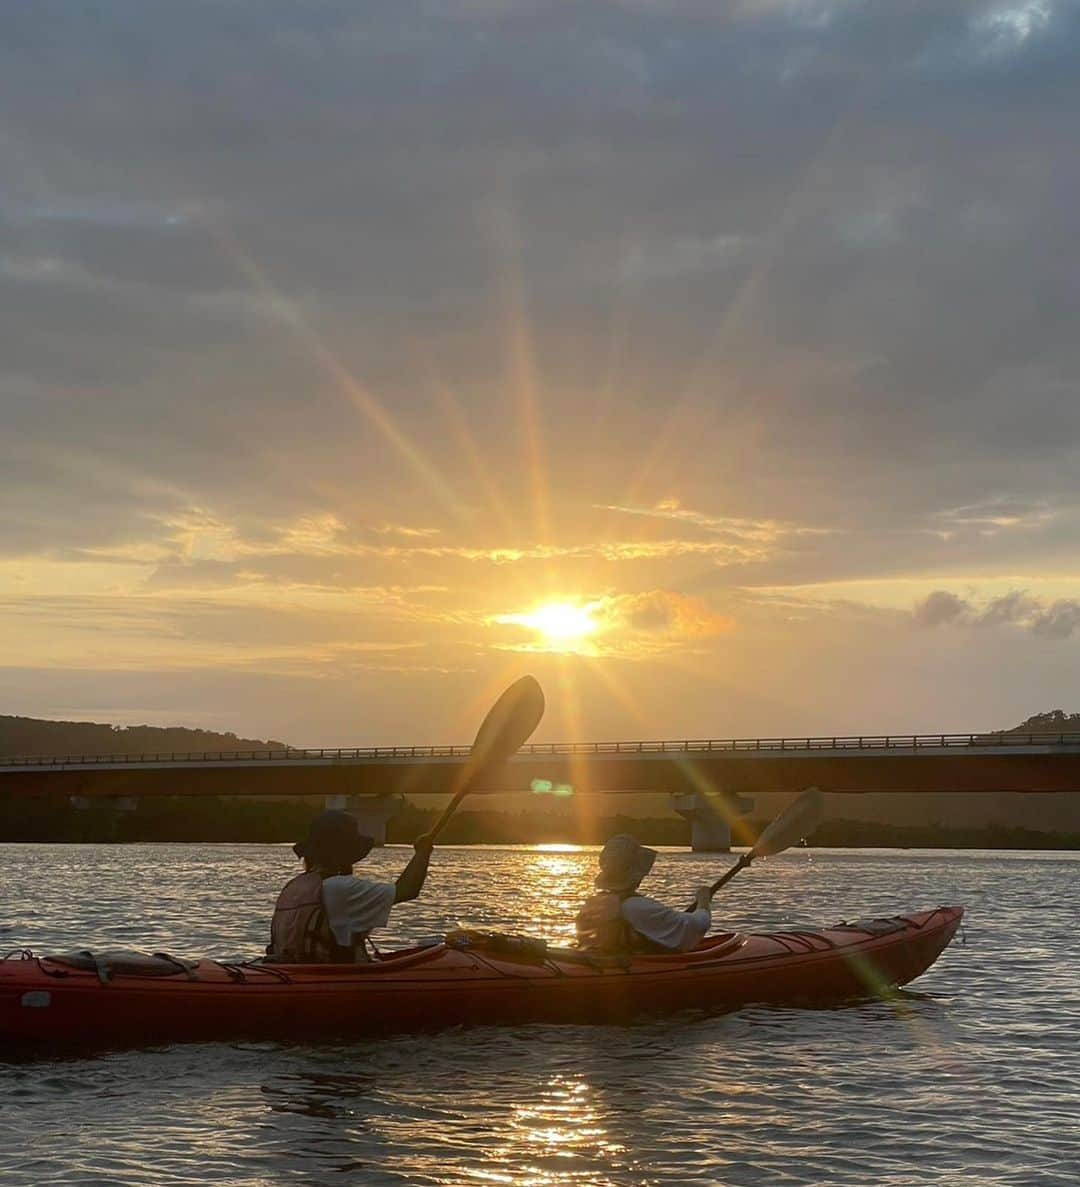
972 1079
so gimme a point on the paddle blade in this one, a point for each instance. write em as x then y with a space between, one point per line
508 725
799 820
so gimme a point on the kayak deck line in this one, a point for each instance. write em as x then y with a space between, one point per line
47 1003
710 952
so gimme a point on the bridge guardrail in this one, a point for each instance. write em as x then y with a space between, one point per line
557 749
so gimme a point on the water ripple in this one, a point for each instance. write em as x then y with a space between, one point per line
967 1080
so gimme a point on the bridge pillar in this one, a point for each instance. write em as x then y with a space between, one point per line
372 812
106 814
710 822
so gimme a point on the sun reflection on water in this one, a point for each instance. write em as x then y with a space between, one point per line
557 880
981 1047
557 1137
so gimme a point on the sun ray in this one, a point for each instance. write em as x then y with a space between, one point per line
626 289
454 415
345 383
583 806
740 311
688 771
621 695
521 362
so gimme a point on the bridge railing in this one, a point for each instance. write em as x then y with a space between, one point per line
869 742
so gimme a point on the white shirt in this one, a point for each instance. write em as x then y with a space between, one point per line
355 906
678 930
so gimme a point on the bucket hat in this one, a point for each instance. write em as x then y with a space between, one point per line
334 839
624 861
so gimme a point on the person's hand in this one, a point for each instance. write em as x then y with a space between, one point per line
702 898
424 844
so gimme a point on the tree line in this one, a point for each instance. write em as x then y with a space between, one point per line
246 819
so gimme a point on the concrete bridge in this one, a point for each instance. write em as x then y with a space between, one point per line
707 777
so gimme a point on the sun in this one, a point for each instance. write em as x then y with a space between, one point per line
561 626
561 622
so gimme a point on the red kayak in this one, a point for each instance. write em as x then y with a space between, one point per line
471 978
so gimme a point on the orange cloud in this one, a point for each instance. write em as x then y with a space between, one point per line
663 614
630 626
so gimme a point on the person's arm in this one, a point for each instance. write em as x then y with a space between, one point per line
411 880
700 918
678 931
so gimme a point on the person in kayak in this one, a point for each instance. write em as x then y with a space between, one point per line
326 914
617 920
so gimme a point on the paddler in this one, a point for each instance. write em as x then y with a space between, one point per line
619 920
326 914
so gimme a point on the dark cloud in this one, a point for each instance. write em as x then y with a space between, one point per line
940 607
661 611
1056 619
1012 607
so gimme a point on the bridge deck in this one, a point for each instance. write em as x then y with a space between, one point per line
1044 743
867 763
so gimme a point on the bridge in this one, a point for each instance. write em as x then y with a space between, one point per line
708 777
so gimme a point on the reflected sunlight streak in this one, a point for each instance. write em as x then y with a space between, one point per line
562 1123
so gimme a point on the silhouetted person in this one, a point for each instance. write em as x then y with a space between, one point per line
619 920
326 914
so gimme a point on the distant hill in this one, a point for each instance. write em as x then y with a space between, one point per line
33 736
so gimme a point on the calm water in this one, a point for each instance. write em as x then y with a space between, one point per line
973 1079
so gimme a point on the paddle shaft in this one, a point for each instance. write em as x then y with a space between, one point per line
798 820
722 881
741 864
450 809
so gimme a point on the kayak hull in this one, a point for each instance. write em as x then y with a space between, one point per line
44 1003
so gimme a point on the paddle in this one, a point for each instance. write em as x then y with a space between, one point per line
798 820
502 733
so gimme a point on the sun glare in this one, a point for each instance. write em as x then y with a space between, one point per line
561 622
560 626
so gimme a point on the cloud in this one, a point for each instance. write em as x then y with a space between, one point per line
1013 607
1058 620
1051 619
196 535
662 614
679 256
681 221
765 531
630 626
995 515
939 607
725 300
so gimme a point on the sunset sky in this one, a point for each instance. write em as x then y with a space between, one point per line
714 362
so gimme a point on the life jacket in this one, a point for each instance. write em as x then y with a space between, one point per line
602 928
299 930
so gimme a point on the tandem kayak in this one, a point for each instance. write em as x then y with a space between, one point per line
81 1000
